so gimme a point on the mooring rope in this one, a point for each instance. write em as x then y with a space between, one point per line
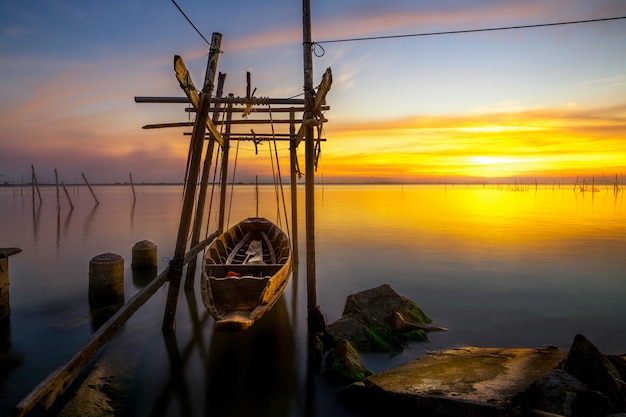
275 186
232 185
280 178
208 220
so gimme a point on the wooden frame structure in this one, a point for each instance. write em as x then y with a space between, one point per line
47 391
207 128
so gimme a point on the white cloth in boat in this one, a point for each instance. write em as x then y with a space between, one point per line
254 254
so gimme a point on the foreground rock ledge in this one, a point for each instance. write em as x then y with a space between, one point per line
460 382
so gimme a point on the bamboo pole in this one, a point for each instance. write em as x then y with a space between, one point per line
309 155
224 183
263 109
196 143
90 189
204 182
258 101
293 159
218 123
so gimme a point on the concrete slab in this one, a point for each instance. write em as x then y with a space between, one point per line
470 381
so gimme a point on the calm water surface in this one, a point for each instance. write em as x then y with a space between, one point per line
497 267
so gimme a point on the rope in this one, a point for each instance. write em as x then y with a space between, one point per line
232 185
275 187
280 177
210 208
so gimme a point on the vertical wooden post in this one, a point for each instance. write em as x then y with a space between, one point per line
204 182
225 151
294 186
309 155
197 142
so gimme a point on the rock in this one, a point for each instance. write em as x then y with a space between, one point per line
357 398
460 382
619 362
369 321
561 393
344 365
91 399
586 363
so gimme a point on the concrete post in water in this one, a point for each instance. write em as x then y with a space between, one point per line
106 279
5 306
144 255
144 263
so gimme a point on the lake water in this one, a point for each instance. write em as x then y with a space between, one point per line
498 267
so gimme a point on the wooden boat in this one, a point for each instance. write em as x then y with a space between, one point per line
244 272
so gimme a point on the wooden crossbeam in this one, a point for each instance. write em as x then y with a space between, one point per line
224 100
298 109
225 122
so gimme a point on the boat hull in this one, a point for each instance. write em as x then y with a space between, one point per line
244 273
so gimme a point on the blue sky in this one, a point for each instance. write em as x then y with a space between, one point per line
69 71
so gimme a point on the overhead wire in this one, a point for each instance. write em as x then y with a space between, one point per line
453 32
191 23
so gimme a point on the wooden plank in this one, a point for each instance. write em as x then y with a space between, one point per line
204 183
320 98
184 79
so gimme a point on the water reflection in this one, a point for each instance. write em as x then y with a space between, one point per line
9 360
249 373
498 267
89 220
36 217
257 365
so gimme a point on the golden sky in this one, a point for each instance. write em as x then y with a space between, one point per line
544 102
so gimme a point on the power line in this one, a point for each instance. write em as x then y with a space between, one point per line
452 32
191 23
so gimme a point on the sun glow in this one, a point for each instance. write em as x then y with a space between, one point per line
546 142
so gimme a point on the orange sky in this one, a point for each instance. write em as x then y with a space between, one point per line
548 102
533 143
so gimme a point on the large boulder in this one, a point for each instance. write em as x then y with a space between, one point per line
594 369
561 393
380 320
